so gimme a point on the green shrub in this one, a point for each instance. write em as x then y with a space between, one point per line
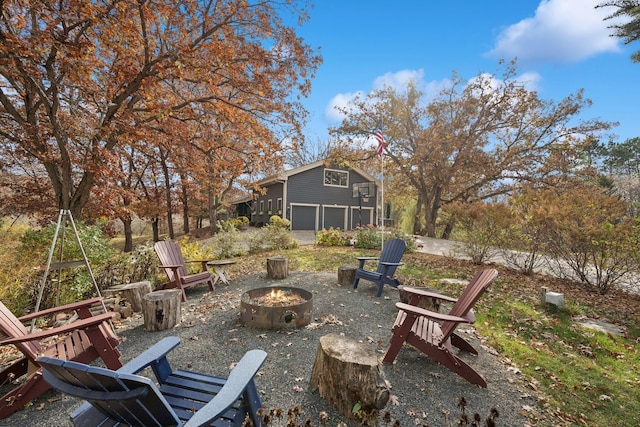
271 237
276 221
333 237
135 266
399 234
75 283
366 238
228 243
194 250
239 222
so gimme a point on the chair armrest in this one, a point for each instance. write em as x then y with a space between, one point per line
169 266
391 264
430 314
150 356
79 324
429 294
239 378
200 260
67 307
363 259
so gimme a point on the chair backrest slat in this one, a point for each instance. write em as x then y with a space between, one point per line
12 327
392 252
169 253
474 290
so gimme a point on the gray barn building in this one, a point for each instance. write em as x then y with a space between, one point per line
318 196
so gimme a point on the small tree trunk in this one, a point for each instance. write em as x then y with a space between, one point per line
185 205
155 221
128 234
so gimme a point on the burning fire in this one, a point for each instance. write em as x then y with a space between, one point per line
279 298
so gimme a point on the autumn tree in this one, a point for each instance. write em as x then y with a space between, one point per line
476 140
82 81
589 236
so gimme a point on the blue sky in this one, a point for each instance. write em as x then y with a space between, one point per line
561 46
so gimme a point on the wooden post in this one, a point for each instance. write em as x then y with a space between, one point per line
131 292
277 267
162 309
543 296
347 274
346 373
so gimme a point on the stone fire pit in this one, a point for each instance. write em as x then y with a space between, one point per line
276 307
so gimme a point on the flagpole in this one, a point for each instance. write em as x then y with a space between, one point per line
382 201
380 152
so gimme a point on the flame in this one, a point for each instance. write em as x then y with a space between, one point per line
279 297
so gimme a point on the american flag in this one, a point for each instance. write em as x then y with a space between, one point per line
381 142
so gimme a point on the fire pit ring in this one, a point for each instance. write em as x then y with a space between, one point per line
276 307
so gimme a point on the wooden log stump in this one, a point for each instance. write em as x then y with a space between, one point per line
277 267
161 309
131 292
347 274
346 373
431 304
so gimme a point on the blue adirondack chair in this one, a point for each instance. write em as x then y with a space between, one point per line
388 261
182 398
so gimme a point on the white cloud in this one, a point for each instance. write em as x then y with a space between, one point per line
399 79
560 31
396 80
530 80
340 101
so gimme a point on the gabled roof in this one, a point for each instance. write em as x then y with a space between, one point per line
283 176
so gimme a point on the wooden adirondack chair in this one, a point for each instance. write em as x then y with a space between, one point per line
388 261
84 340
182 398
173 263
420 327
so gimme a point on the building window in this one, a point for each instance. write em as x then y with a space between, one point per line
261 207
270 207
336 178
279 206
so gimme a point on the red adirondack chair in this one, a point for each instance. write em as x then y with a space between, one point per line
173 263
434 333
84 340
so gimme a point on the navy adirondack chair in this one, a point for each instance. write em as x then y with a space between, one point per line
182 398
388 261
434 333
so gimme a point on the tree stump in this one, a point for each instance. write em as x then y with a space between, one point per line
277 267
161 309
431 304
131 292
347 274
346 373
